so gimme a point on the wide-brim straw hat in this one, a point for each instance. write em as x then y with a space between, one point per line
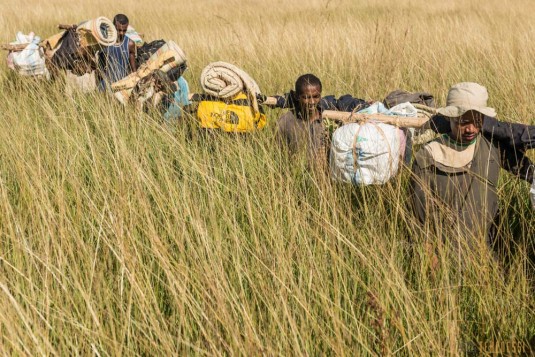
466 96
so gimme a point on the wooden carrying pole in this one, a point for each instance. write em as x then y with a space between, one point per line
15 48
348 117
66 27
22 46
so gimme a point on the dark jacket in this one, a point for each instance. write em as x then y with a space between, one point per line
70 56
511 139
345 103
400 96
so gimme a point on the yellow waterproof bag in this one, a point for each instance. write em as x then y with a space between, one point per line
233 115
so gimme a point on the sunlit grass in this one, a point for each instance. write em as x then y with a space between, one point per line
123 235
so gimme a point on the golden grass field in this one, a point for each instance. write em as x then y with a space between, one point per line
123 236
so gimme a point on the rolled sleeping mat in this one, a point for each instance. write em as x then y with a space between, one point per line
224 80
99 31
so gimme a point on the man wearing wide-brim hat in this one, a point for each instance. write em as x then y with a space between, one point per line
455 176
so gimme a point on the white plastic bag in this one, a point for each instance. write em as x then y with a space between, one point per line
31 60
403 110
367 154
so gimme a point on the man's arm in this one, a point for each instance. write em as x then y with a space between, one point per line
345 103
132 55
512 134
283 101
348 103
516 162
511 139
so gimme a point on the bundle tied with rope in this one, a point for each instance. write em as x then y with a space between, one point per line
26 57
230 100
74 49
143 86
370 146
366 153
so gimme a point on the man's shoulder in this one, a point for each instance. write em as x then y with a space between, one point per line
425 156
427 147
494 148
440 140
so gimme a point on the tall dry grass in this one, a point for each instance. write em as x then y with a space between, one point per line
122 235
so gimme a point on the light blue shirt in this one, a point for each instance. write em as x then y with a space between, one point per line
180 99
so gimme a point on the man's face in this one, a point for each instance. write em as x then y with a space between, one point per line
121 30
465 128
309 99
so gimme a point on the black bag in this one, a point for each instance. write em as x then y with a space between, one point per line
147 50
66 56
400 96
174 73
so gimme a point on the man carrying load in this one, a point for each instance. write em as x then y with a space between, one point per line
118 60
455 177
302 127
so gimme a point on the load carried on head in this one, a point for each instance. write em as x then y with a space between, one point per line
230 100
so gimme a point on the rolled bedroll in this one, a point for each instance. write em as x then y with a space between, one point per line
99 31
224 80
229 100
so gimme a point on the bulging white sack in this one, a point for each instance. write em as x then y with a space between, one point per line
367 154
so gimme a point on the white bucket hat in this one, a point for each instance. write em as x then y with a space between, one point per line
466 96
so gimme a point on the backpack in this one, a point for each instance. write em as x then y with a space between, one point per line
233 115
148 49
